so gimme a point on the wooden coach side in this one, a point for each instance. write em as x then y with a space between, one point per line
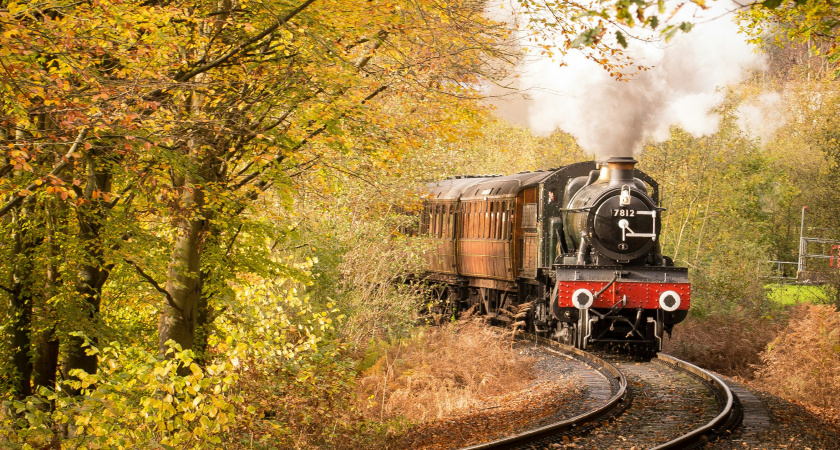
485 244
527 237
439 222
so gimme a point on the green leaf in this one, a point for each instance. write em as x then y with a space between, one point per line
587 38
772 4
621 40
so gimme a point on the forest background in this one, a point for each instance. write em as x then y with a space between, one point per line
202 204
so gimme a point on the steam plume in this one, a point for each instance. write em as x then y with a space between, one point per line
614 118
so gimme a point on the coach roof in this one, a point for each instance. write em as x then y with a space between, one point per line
453 189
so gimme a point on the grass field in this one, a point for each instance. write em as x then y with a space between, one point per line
791 294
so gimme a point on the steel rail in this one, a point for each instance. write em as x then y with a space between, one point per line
618 383
723 394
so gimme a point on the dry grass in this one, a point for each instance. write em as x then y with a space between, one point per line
803 363
441 371
729 344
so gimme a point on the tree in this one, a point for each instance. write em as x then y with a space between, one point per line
163 123
782 22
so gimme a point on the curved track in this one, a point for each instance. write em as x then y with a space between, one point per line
663 404
612 377
728 418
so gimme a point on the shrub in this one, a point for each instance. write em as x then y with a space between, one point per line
441 370
730 343
135 400
803 363
275 377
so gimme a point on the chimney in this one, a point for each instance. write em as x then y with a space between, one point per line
621 170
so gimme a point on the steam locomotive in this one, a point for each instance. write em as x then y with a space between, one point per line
572 253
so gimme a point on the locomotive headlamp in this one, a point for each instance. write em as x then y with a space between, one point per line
624 199
669 301
582 298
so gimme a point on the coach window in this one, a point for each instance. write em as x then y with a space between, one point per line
438 221
447 220
488 231
445 231
452 220
485 217
498 220
482 231
469 222
424 220
476 221
441 220
502 219
497 223
432 219
508 221
465 224
488 226
479 232
485 220
433 224
461 211
505 220
479 220
493 219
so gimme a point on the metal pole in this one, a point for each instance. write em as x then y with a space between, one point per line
802 245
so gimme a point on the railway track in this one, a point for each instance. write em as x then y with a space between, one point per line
663 404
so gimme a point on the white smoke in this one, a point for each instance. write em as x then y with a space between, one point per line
762 115
614 118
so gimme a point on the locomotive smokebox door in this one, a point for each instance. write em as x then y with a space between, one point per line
623 233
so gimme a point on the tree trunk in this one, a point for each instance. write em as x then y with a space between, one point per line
90 291
183 315
21 307
178 319
47 351
94 272
46 363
